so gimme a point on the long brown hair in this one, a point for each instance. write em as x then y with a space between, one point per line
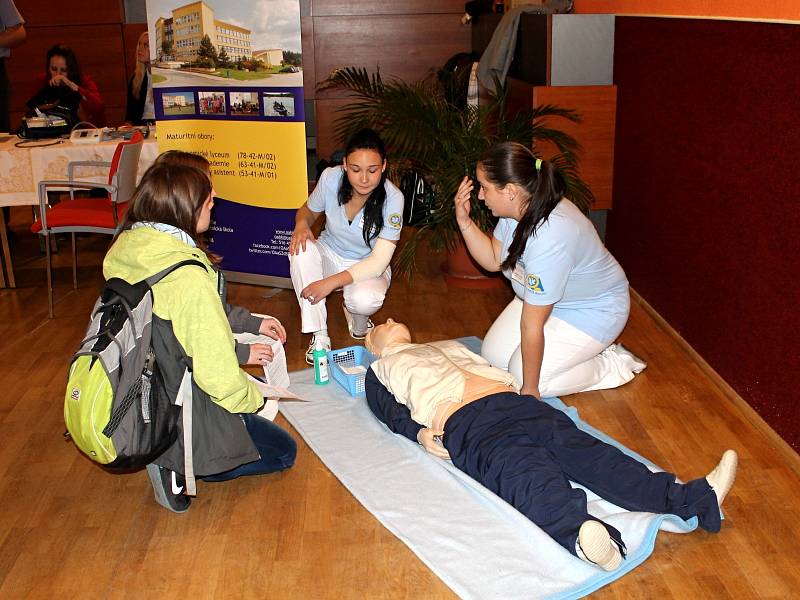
172 194
510 162
186 159
196 161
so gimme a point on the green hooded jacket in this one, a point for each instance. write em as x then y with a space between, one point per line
190 328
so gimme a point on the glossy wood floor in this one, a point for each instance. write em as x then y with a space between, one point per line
68 529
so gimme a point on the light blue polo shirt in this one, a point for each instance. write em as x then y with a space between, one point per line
344 238
565 264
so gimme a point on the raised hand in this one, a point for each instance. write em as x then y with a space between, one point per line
463 204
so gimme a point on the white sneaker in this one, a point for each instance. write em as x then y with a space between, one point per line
326 345
596 546
351 319
722 477
637 364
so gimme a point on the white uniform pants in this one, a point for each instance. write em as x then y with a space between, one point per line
317 262
573 360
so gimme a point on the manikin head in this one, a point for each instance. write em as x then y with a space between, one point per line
385 335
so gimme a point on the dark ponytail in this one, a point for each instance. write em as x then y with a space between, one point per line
367 139
510 162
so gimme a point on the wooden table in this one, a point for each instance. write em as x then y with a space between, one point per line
22 168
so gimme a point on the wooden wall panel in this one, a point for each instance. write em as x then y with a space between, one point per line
307 39
327 114
407 40
598 107
404 46
47 13
324 8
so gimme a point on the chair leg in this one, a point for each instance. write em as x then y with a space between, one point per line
49 276
74 263
6 254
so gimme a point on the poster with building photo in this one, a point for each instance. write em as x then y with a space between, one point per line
228 84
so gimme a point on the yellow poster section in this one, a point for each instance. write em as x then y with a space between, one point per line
255 163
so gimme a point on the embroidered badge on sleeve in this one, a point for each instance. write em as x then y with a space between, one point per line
395 220
534 284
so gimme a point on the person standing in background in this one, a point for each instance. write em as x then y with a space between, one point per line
12 34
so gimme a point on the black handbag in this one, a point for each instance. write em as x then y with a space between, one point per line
418 198
55 122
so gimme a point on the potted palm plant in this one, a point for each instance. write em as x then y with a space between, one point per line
429 127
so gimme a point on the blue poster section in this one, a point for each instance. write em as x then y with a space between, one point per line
273 104
252 239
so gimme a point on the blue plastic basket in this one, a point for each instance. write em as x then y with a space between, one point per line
351 356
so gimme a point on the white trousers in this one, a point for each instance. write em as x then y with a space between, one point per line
360 299
573 360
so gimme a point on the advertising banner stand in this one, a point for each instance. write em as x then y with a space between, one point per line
228 85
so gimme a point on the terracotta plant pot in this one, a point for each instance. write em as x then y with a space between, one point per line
460 270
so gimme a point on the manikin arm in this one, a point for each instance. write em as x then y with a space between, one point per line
398 419
396 416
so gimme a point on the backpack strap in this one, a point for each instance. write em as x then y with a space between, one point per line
184 398
154 279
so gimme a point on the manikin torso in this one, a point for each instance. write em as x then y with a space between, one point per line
475 386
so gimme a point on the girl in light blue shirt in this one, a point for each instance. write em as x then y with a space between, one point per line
571 296
363 220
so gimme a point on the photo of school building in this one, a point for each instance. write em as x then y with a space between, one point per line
186 28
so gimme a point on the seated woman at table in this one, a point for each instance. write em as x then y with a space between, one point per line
140 109
63 86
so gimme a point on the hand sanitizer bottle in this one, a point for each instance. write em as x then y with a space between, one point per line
321 372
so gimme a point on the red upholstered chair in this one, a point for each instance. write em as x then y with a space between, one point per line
88 215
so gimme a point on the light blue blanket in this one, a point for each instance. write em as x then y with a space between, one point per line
479 545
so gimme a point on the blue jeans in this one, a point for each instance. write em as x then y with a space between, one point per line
275 446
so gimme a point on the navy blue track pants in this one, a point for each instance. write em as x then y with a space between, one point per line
525 451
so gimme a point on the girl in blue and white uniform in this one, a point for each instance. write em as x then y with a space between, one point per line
364 218
571 296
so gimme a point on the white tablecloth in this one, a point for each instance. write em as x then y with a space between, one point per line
21 169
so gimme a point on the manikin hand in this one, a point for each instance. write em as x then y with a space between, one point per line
260 354
301 234
272 328
430 440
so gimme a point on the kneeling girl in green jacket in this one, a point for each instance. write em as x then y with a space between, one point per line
164 224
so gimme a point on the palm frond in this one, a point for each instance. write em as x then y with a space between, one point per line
428 127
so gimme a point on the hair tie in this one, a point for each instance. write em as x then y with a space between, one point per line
538 164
